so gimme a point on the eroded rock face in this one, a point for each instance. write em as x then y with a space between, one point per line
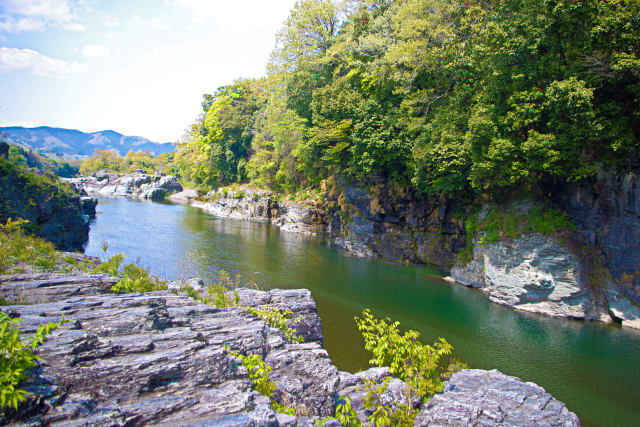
534 273
241 204
138 185
160 358
384 223
489 398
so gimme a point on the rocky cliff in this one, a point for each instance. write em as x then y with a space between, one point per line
160 358
53 210
137 185
590 272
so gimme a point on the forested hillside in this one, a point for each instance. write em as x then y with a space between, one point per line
467 97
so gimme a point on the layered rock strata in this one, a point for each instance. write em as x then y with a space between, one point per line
474 397
161 358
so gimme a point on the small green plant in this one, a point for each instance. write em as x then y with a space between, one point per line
259 372
138 279
104 245
418 364
17 357
133 279
280 318
111 266
345 414
221 294
18 248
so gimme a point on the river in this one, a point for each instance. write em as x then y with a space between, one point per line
593 368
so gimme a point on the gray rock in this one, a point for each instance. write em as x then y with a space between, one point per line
50 287
137 185
534 273
160 358
490 398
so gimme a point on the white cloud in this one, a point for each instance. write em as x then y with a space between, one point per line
10 24
55 10
95 50
31 61
35 15
75 27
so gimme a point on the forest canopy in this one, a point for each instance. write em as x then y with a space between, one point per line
459 96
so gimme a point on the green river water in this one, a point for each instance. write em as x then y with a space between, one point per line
593 368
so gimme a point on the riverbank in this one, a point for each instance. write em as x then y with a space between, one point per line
564 356
558 274
566 272
162 358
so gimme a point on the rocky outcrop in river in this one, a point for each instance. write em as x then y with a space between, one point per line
160 358
137 185
299 217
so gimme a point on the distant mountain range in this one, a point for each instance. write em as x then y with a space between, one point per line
70 143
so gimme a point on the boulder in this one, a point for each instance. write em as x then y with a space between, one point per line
490 398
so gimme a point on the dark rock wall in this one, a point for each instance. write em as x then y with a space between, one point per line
53 211
383 222
606 209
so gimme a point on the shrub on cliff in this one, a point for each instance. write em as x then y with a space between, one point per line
52 208
19 249
16 358
133 278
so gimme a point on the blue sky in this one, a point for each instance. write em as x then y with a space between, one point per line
137 67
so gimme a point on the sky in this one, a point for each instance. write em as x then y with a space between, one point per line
139 67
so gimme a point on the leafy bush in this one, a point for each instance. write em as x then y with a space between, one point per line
418 364
111 266
17 247
17 357
259 371
280 318
345 414
138 279
133 279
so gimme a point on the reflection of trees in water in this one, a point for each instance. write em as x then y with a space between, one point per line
260 252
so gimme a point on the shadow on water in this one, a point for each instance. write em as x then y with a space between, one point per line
593 368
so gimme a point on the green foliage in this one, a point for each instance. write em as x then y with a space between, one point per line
132 277
17 357
345 414
19 249
137 279
221 294
280 318
43 162
501 223
259 372
111 266
465 97
132 161
419 365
